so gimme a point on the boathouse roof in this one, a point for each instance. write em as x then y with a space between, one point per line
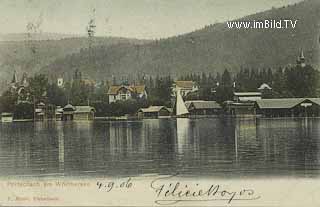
153 109
247 93
264 86
199 104
284 103
84 109
69 107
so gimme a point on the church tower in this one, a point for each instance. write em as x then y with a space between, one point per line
14 81
301 61
14 78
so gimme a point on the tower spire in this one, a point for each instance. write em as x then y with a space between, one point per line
14 78
301 59
301 55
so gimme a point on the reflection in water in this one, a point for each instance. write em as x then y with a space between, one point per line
182 134
193 147
61 146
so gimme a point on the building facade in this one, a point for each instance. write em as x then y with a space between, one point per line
185 87
123 93
154 112
200 107
289 107
246 96
78 113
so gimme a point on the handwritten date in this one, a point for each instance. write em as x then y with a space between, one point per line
111 185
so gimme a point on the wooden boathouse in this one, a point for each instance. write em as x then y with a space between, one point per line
154 112
199 107
78 113
288 107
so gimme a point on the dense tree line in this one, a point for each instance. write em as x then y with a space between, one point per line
289 82
285 82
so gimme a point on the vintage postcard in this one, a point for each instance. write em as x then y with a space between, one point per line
160 103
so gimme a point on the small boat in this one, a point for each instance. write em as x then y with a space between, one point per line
6 117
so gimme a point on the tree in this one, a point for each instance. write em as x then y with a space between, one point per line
8 101
279 84
24 111
226 78
302 82
38 86
56 95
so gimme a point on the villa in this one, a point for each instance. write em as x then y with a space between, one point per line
123 92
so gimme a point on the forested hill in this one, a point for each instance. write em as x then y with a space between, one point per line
210 49
30 56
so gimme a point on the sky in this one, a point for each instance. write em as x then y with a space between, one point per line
143 19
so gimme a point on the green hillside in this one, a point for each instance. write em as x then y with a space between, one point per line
31 56
210 49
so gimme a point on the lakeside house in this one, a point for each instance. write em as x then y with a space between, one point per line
288 107
6 117
39 113
85 113
154 112
58 113
240 109
123 92
78 113
44 112
246 96
185 87
68 111
243 104
200 107
265 90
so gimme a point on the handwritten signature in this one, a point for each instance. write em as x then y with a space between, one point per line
171 192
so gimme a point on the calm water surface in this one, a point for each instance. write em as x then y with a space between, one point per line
198 147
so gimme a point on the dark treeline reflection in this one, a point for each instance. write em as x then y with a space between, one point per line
198 147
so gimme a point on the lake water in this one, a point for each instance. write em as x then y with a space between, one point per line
212 147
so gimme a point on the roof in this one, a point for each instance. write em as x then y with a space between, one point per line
205 105
153 109
69 106
247 93
113 90
6 114
139 88
314 100
84 109
283 103
184 84
59 110
264 86
88 81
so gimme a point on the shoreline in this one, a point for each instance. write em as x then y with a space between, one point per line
135 118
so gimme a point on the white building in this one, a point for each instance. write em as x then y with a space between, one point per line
247 96
60 82
118 93
185 87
